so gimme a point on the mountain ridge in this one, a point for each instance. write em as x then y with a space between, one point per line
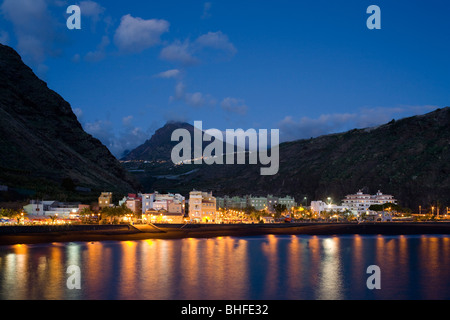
42 144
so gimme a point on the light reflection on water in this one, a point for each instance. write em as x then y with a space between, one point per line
256 268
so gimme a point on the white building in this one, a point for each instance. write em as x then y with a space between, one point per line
288 201
320 206
147 201
259 203
361 202
54 208
158 201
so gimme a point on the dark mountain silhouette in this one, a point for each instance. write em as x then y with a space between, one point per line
43 147
159 146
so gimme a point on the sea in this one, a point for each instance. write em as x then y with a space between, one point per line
346 267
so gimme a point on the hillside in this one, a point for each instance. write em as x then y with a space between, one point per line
159 146
43 147
409 158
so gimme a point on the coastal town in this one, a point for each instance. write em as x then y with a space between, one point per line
203 207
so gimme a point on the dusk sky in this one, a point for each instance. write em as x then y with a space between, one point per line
305 67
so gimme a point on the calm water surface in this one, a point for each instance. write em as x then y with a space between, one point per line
269 267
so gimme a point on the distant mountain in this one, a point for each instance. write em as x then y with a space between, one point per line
159 146
409 158
42 145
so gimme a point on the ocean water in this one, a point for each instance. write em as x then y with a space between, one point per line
230 268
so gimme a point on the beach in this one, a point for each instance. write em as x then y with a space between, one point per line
28 235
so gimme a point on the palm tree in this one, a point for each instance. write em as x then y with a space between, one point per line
13 214
85 213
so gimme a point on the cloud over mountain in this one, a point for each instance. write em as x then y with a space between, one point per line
136 34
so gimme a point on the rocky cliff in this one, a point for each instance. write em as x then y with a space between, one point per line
43 147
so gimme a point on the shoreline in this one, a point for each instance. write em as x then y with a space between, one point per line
166 232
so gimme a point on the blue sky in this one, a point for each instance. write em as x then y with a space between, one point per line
305 67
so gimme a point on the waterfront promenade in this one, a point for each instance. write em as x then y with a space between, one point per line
40 234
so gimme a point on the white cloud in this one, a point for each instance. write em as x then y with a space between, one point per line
174 73
99 54
36 31
127 121
196 99
91 9
180 52
306 127
206 10
127 138
234 105
191 53
102 130
180 90
136 34
216 40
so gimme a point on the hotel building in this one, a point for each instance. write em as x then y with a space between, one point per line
360 202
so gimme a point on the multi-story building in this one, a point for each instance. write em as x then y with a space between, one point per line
175 207
161 205
134 203
220 203
238 202
167 202
271 202
147 201
105 200
231 202
259 203
360 202
288 201
202 206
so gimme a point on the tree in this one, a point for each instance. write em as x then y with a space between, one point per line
85 214
385 206
348 214
53 218
279 209
116 212
12 214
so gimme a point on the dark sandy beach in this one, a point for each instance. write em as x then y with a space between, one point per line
142 232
